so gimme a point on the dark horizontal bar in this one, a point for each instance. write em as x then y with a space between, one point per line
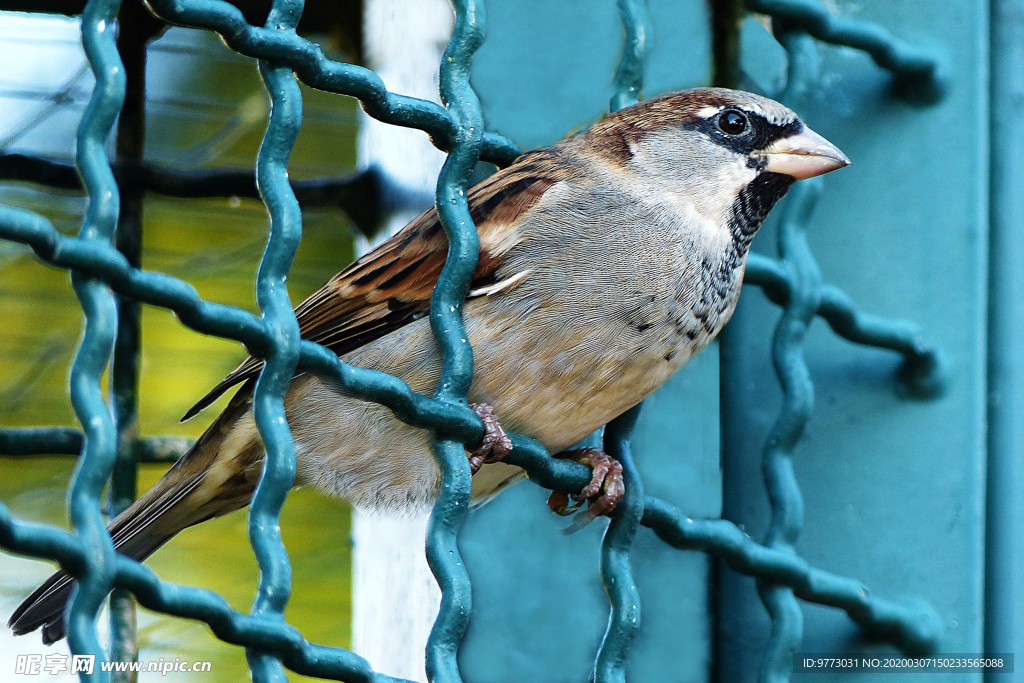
35 441
360 195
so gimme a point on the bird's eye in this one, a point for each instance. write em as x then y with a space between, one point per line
732 122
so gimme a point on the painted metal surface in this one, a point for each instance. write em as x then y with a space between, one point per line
1004 511
893 486
543 635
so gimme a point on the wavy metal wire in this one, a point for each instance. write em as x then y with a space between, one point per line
278 473
804 299
446 302
100 450
920 69
272 645
317 71
798 390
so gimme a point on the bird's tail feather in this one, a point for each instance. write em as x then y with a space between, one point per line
179 500
137 532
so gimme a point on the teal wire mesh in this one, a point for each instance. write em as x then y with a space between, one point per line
99 272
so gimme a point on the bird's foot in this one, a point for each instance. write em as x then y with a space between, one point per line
496 443
604 490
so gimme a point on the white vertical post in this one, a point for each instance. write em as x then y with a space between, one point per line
395 598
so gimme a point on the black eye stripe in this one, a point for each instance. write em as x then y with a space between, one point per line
759 133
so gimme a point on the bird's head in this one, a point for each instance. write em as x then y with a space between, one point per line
728 155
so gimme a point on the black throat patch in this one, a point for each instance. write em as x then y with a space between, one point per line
720 285
753 204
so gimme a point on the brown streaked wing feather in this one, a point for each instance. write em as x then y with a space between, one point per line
391 286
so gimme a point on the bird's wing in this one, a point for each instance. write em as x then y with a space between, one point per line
391 286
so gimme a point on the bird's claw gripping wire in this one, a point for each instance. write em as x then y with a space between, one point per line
496 443
603 492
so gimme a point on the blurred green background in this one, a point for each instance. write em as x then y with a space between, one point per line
206 109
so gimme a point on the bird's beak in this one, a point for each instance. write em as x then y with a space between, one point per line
804 156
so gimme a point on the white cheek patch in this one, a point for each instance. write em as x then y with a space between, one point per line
720 197
707 198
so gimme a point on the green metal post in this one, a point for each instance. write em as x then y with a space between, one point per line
1004 514
135 27
726 17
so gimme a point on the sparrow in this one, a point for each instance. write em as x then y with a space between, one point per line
607 261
